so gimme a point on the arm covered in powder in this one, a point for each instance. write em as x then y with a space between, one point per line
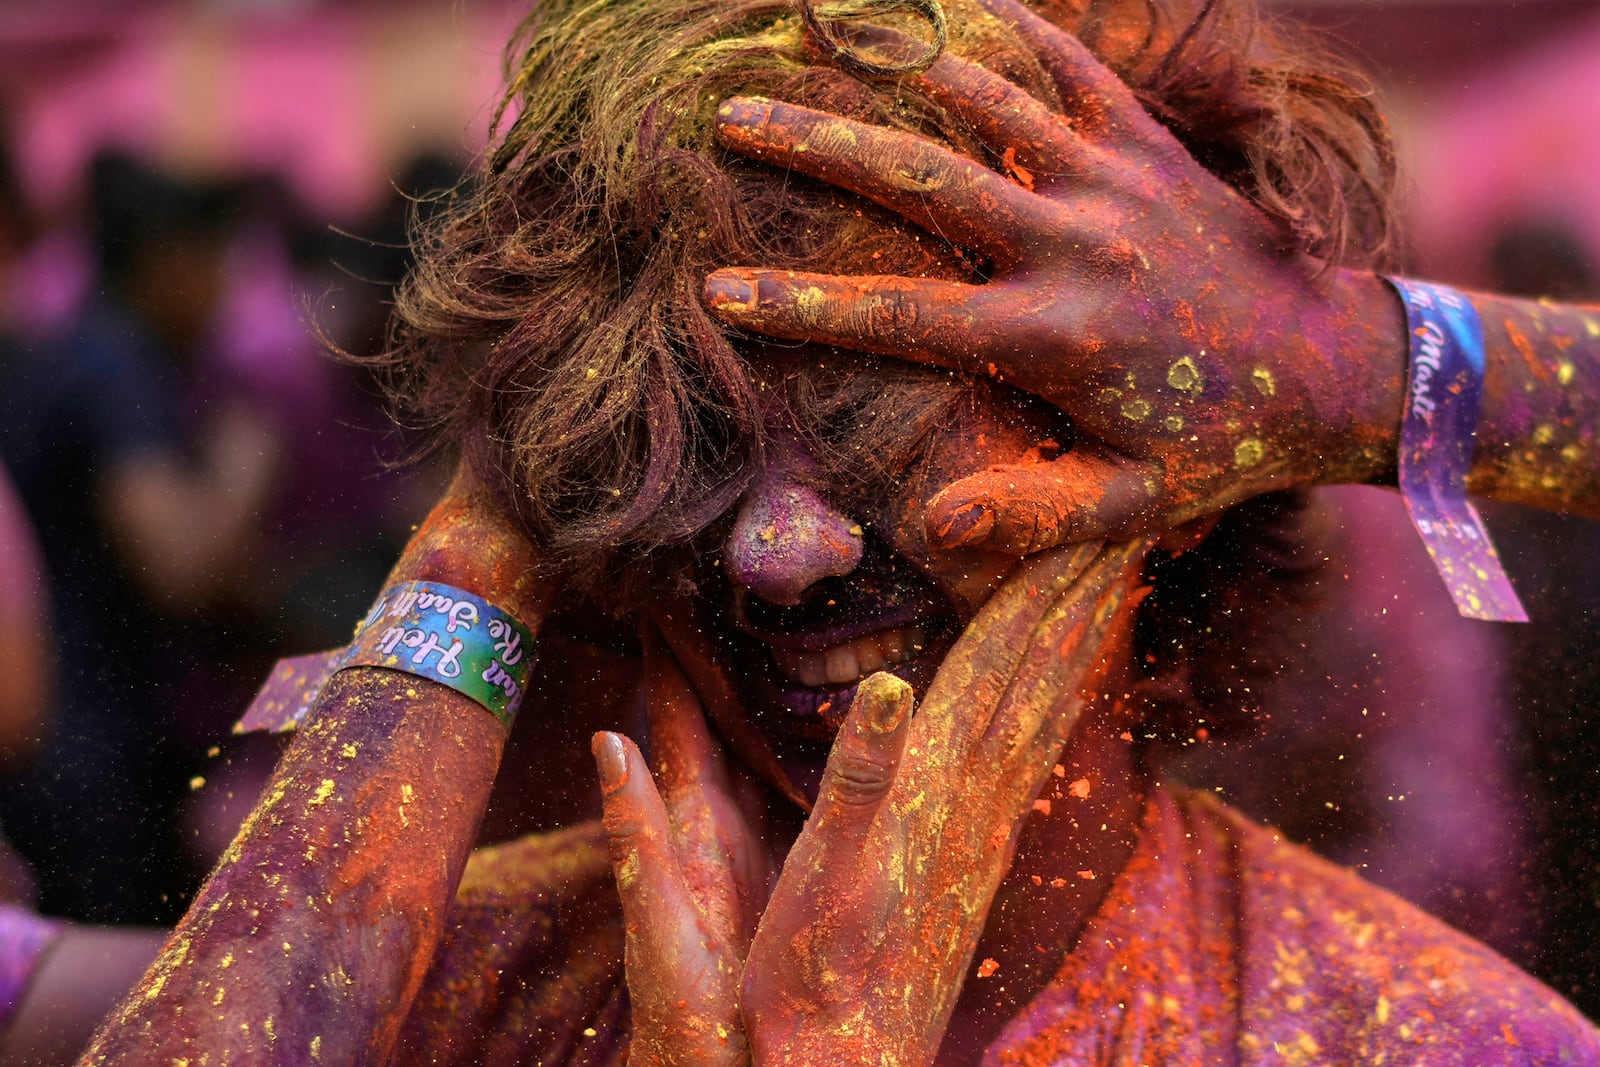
310 939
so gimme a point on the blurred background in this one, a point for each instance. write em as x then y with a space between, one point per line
195 199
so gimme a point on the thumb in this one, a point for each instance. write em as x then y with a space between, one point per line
1079 496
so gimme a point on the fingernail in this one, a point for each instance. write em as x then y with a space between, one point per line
887 697
726 290
610 759
744 111
969 524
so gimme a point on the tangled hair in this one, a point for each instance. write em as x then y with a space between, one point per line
552 328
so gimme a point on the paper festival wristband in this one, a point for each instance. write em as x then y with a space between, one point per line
429 629
1443 390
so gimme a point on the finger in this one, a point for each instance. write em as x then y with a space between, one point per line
1064 661
946 833
1094 98
639 835
977 807
681 982
1029 138
665 934
1079 496
685 757
1007 696
685 636
860 771
714 851
841 876
1031 141
920 319
946 194
979 669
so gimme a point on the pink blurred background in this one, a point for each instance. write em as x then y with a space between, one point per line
1496 104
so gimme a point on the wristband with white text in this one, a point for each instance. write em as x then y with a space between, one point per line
1443 391
428 629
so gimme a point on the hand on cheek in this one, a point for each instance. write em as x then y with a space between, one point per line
860 954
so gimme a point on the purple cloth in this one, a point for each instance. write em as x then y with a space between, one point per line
25 938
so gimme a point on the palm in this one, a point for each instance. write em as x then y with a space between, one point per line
860 952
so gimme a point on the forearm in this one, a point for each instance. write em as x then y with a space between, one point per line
312 935
1537 430
1538 423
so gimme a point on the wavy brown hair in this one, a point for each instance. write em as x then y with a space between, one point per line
552 328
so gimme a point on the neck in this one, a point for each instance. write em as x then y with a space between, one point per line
1075 844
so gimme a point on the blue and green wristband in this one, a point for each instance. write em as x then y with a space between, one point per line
427 629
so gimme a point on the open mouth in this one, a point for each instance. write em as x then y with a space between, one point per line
806 660
848 663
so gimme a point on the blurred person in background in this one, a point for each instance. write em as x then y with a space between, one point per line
145 512
337 506
27 683
343 505
56 978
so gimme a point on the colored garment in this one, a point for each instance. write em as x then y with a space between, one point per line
1219 943
25 939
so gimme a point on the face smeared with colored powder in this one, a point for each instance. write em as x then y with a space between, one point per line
823 578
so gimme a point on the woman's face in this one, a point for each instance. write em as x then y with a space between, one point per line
822 580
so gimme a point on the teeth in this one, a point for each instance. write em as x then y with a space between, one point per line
870 657
842 663
850 662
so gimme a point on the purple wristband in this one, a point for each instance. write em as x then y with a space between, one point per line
1444 388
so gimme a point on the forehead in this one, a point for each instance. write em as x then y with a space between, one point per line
870 424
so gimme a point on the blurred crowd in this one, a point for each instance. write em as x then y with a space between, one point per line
192 488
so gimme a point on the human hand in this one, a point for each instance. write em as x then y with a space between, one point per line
366 824
688 863
860 953
1130 288
862 950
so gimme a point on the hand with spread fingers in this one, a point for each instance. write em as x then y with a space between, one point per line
860 952
1169 317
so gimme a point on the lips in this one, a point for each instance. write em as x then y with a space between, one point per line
803 661
848 663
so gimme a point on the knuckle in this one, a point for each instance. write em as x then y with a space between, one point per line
625 826
917 172
860 778
884 315
827 136
891 314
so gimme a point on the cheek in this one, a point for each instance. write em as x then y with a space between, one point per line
968 576
972 577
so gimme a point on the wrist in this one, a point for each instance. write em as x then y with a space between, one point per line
1437 436
469 541
1361 341
461 608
